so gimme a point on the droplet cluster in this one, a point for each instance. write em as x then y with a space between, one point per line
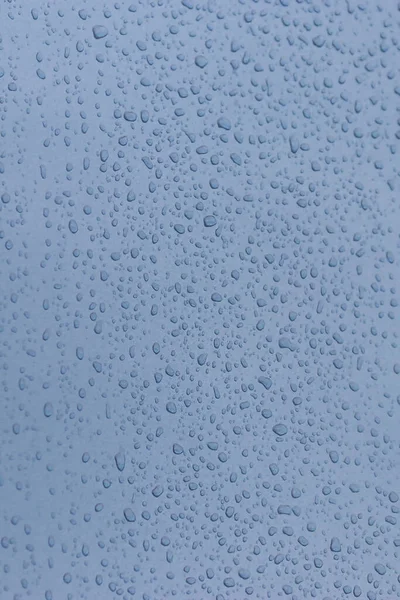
199 284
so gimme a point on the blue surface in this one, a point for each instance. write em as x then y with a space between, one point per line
199 223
